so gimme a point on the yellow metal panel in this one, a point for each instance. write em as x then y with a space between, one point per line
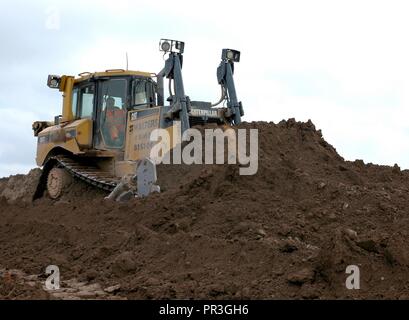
83 132
43 149
140 125
66 87
72 137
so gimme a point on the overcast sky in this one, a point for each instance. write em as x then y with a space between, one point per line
342 64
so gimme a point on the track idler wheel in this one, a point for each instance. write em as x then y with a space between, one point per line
58 181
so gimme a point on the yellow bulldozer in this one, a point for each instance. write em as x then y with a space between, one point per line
103 134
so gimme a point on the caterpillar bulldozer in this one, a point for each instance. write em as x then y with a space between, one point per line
103 134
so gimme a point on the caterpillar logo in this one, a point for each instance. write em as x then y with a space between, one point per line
204 113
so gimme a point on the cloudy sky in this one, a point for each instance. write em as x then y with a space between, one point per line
342 64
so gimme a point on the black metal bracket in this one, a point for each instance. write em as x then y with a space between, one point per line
225 73
180 103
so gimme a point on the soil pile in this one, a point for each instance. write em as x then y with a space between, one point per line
290 231
20 188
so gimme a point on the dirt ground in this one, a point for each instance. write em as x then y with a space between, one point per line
288 232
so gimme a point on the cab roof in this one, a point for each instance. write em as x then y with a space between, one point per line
112 72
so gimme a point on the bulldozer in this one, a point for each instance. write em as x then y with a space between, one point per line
103 133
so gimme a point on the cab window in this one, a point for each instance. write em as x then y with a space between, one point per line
74 102
143 94
112 112
87 101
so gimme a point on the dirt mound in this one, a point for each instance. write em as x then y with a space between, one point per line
290 231
20 187
15 285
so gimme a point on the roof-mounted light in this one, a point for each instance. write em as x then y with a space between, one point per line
231 55
53 81
174 46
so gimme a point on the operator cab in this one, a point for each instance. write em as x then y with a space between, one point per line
106 99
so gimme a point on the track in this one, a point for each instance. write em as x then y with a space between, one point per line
91 174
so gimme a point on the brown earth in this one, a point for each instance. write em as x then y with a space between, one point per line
290 231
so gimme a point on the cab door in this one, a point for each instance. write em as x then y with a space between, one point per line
83 111
111 114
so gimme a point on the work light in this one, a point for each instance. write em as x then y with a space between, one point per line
53 81
167 45
231 55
